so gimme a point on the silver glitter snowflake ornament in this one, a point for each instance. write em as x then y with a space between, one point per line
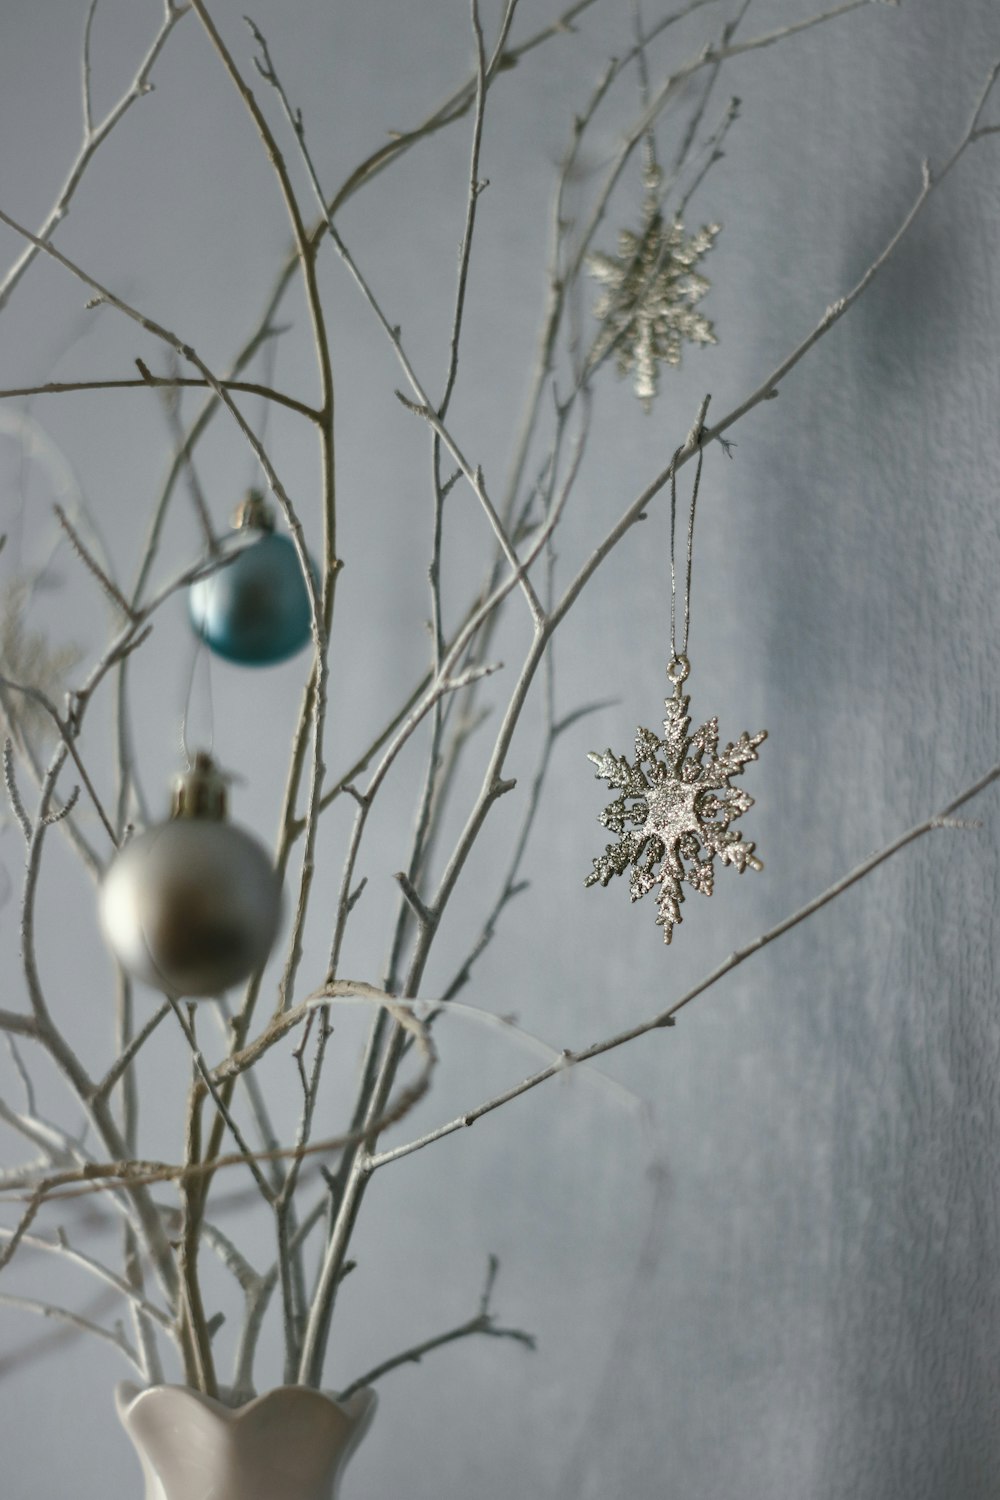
679 802
651 290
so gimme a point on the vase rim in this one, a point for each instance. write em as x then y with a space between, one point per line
358 1409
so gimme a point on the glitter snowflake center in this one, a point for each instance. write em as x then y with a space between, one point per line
671 812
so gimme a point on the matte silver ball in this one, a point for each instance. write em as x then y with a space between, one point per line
192 906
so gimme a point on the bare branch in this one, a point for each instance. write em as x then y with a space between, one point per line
665 1018
63 812
93 138
88 115
482 1323
929 181
321 602
196 1341
64 1315
130 1052
23 1075
110 588
210 1086
68 736
135 1173
58 1147
149 381
13 795
424 405
171 406
60 1246
188 353
425 917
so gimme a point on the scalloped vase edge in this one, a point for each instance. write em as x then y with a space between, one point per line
291 1443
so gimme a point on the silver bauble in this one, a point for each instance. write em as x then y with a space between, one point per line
192 905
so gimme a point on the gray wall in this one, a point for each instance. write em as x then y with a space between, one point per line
781 1278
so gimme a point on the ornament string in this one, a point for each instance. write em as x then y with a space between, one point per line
651 167
198 655
653 177
676 805
678 666
269 360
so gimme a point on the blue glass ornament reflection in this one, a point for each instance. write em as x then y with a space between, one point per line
254 610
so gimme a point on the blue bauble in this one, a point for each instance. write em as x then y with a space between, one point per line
254 610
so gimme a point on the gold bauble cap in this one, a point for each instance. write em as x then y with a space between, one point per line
253 513
200 791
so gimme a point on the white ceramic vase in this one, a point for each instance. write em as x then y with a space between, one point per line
289 1444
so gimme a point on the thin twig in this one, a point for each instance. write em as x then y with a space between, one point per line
437 773
482 1323
422 404
44 1029
60 1246
65 1315
209 1085
13 794
321 602
929 182
149 381
110 588
571 1058
187 352
88 113
68 734
129 1053
16 1358
99 1176
24 1076
134 1173
254 1093
290 1265
53 818
93 138
171 406
196 1344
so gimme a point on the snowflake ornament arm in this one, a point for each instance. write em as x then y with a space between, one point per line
676 811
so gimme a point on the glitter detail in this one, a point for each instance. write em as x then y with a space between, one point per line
649 304
680 805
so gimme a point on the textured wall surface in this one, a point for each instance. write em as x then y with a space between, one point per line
780 1277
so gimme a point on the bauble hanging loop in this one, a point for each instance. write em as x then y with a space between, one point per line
255 609
192 905
678 669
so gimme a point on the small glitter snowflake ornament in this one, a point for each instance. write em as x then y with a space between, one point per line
676 807
651 290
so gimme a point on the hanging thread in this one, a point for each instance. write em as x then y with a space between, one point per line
679 666
198 655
